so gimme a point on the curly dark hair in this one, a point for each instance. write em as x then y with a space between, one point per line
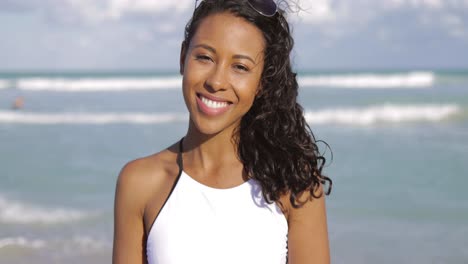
275 143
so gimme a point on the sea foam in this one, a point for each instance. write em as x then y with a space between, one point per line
81 243
388 113
21 242
97 84
89 118
379 81
4 84
88 243
116 84
14 212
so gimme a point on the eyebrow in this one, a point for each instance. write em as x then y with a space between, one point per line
237 56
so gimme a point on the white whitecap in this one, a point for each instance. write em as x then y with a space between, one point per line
370 81
388 113
21 242
4 84
15 212
98 84
413 79
81 243
88 243
89 118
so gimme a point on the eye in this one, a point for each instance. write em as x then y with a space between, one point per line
241 67
202 58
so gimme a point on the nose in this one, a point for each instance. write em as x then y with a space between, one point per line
217 79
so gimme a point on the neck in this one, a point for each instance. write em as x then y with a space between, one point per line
210 152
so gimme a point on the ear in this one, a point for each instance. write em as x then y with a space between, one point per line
183 53
259 88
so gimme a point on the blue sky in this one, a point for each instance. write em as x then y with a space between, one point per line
146 34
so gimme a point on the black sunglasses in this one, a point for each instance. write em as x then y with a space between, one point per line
265 7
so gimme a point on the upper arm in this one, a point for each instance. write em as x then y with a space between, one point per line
129 205
308 234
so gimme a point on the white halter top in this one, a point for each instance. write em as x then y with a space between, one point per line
204 225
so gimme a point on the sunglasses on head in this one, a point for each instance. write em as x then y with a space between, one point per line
265 7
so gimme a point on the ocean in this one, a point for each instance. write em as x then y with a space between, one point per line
398 159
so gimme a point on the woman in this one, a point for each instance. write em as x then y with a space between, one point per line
244 185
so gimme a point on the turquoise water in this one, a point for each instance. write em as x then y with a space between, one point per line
399 141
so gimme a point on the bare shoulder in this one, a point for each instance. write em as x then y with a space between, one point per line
308 232
142 177
138 183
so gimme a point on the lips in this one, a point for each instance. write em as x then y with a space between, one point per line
212 106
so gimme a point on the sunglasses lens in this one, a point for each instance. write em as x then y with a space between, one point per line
264 7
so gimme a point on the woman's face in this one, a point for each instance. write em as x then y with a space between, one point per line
221 70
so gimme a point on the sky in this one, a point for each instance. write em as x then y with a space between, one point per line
85 35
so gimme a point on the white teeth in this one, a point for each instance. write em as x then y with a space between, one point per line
213 104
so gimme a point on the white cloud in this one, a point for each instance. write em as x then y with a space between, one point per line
452 20
118 8
314 11
167 27
436 4
317 11
144 35
459 33
428 4
454 25
97 10
339 29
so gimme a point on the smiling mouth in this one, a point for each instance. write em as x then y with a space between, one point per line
212 103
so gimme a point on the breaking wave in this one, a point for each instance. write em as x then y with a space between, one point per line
89 118
21 242
4 84
15 212
387 113
97 84
81 243
377 81
116 84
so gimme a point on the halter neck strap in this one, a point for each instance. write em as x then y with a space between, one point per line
180 160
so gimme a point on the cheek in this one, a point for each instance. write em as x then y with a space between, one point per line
253 88
190 78
186 90
248 93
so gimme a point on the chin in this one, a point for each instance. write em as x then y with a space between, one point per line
208 128
212 127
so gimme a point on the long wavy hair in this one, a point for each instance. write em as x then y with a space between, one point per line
275 143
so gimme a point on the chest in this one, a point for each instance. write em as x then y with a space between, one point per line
199 225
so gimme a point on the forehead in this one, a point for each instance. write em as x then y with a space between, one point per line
229 32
